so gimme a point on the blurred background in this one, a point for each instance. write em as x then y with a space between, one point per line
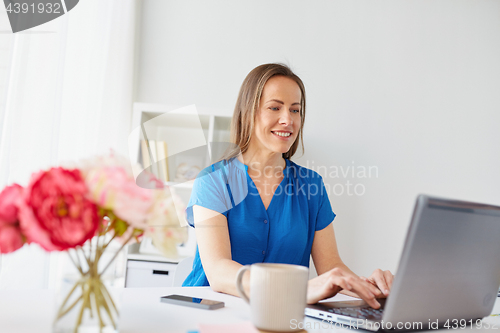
402 98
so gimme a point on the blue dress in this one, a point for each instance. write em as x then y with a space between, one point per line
283 233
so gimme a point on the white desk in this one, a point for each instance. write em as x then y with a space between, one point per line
27 311
141 311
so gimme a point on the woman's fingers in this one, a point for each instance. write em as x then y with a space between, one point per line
331 282
389 277
366 291
380 280
375 288
324 286
339 281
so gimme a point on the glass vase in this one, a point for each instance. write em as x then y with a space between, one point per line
86 305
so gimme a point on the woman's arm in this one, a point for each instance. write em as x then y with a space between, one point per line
214 246
324 251
333 274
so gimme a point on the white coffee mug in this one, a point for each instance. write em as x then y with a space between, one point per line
277 295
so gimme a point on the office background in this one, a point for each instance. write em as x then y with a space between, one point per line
410 87
406 90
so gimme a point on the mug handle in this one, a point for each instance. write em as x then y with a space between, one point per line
239 285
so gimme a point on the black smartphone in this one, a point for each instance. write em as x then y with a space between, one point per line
199 303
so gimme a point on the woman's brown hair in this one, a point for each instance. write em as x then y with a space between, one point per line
242 124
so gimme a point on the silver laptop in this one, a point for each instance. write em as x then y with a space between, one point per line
448 274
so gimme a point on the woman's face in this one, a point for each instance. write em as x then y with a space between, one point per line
277 121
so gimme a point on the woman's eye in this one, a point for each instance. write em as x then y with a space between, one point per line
275 109
295 111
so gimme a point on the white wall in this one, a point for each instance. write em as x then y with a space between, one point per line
410 87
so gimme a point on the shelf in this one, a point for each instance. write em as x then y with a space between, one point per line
175 120
187 132
133 254
185 185
153 258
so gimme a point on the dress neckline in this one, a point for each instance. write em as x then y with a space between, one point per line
244 167
236 162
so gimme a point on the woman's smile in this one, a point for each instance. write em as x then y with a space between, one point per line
282 135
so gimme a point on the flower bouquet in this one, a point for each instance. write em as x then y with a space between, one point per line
82 209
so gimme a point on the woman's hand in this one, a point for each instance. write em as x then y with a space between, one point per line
382 280
330 283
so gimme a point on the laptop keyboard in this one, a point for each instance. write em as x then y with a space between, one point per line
361 313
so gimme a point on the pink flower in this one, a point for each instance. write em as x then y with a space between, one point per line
164 226
11 238
112 187
56 212
9 203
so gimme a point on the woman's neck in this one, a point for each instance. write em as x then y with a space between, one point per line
262 163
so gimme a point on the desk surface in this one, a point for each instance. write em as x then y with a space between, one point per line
141 311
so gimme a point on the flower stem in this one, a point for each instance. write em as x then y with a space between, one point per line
107 244
84 255
103 302
117 253
61 312
107 297
74 263
86 296
94 295
98 310
78 260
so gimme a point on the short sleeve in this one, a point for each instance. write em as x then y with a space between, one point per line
325 213
209 191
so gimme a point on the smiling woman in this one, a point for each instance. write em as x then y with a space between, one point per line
255 205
